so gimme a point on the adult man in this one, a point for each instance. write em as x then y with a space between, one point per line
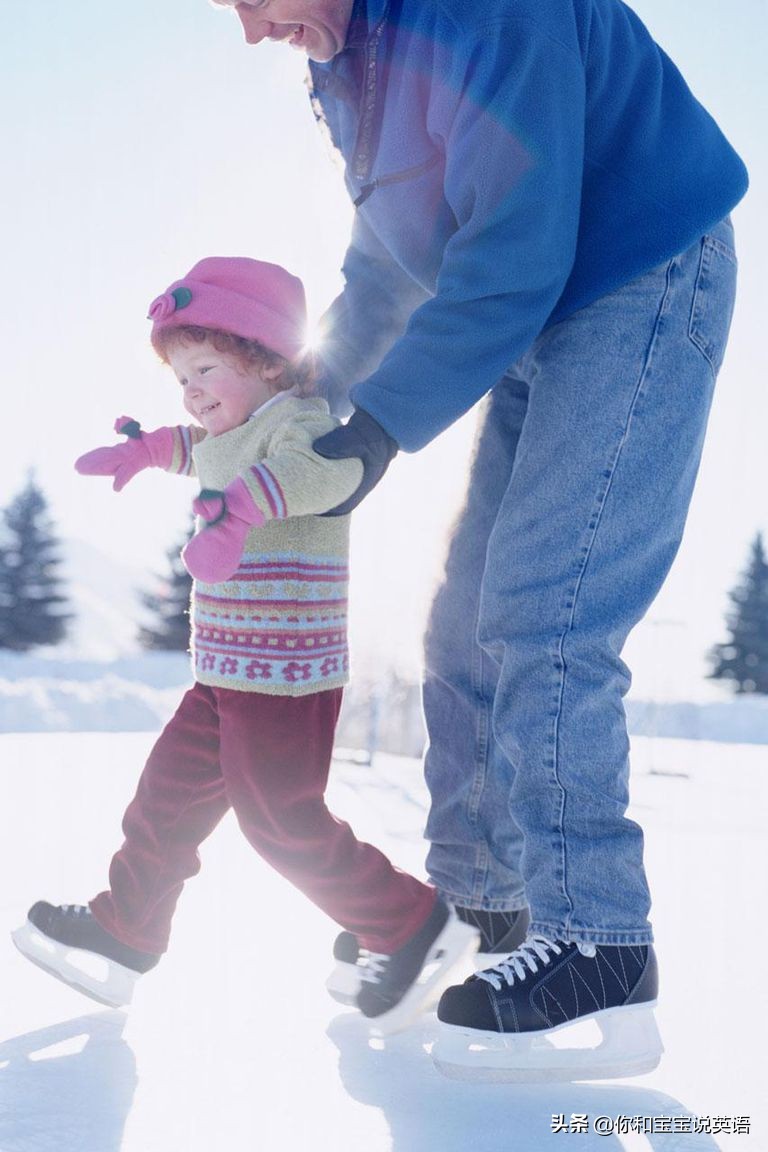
541 211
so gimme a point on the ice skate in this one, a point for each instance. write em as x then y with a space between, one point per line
396 988
65 941
512 1022
343 983
499 934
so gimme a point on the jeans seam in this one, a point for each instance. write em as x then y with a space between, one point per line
703 269
709 246
724 249
480 771
609 936
481 739
480 903
593 527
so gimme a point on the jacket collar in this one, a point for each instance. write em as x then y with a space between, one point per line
366 14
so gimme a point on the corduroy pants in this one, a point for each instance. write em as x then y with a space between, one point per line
267 757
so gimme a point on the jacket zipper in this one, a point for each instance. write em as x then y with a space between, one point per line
396 178
363 155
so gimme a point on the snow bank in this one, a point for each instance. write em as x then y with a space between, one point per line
741 720
44 693
132 694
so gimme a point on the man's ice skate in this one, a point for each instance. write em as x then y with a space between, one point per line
65 941
512 1022
499 934
396 988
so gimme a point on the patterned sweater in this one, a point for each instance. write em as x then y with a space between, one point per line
279 625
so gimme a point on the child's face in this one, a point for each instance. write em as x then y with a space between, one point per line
219 391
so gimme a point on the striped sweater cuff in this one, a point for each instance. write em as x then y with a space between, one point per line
267 492
184 440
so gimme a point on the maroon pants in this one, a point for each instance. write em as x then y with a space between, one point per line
268 758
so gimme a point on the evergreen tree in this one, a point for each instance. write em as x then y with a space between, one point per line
743 658
169 605
31 599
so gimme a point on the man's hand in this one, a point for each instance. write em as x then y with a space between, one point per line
364 438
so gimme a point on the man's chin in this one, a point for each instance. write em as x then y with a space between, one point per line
320 49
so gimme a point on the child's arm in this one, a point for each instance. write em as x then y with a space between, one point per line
167 448
292 480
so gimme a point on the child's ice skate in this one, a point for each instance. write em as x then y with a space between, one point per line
499 934
396 988
65 941
349 957
511 1022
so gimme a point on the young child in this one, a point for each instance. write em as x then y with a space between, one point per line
255 732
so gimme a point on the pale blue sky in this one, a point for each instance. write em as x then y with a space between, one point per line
139 137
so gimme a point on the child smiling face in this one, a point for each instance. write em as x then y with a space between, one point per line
219 391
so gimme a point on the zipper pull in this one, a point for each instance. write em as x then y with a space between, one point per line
366 191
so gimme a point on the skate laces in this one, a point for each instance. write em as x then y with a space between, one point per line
374 967
523 960
75 909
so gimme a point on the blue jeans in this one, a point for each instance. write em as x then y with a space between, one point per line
581 479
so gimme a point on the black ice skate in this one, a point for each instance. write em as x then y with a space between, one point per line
65 941
344 980
499 1024
396 988
499 934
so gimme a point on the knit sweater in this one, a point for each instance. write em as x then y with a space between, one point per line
279 625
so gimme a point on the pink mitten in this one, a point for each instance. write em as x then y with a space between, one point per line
214 553
141 450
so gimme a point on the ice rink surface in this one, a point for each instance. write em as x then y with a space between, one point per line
232 1044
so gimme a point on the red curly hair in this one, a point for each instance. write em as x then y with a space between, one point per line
298 374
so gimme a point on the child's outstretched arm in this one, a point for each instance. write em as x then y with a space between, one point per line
292 480
167 448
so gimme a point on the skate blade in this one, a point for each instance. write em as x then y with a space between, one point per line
449 960
630 1046
344 982
98 977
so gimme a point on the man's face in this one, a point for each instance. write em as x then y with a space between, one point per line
317 27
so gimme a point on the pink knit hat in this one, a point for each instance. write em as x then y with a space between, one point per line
235 294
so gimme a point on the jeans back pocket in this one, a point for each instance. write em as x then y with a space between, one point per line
713 300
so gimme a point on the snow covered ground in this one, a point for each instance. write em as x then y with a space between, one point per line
232 1044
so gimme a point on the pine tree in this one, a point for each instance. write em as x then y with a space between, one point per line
743 658
31 599
169 605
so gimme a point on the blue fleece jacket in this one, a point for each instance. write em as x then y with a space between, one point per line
512 161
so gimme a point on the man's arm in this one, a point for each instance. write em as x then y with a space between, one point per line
366 319
514 141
